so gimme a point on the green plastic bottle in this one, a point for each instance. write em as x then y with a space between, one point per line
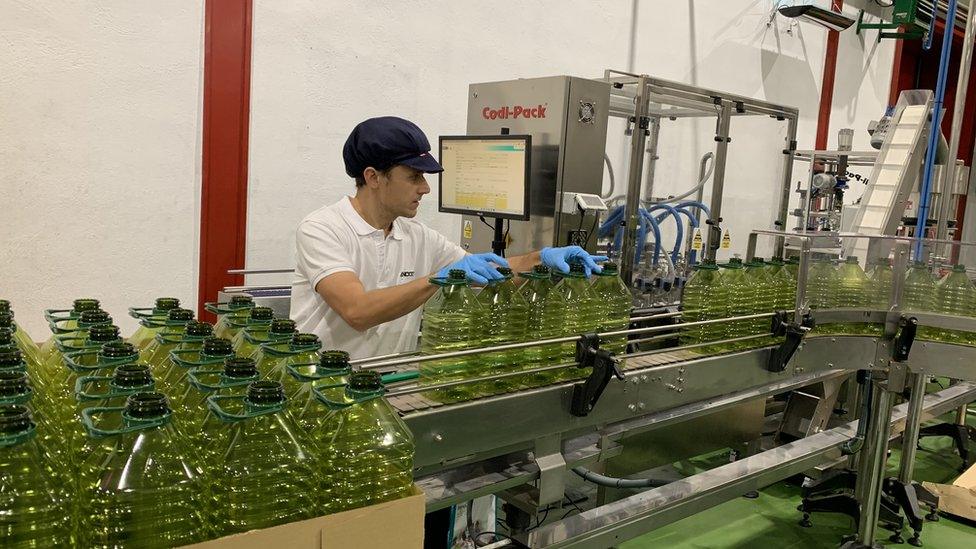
34 509
705 298
89 362
302 350
102 391
367 449
453 320
151 320
956 296
147 489
784 285
763 298
820 284
849 291
919 296
80 328
270 471
22 339
16 389
205 431
258 321
328 378
793 266
54 315
281 330
583 309
331 370
505 313
30 355
187 338
615 303
230 315
213 352
173 326
547 311
739 302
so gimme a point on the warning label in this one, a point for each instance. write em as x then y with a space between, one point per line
726 240
696 241
468 230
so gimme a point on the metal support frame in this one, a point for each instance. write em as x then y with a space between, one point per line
714 234
642 97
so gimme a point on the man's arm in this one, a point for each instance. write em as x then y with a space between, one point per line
362 310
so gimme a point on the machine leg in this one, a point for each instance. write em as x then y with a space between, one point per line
872 465
961 434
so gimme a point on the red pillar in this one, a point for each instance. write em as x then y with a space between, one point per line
226 108
827 86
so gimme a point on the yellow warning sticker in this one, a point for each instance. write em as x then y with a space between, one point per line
468 230
726 240
696 241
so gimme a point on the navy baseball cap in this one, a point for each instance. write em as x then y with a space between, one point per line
384 142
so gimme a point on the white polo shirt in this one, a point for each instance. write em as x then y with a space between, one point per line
336 238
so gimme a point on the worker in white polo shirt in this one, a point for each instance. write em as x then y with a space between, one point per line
363 263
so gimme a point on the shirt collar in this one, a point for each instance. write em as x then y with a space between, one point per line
362 227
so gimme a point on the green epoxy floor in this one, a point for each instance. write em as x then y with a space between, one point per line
773 521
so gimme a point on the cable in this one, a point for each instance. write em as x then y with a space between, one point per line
490 226
612 482
693 190
613 182
596 218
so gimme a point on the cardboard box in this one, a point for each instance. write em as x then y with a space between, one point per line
958 498
397 524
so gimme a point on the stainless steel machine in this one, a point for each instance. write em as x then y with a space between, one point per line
567 119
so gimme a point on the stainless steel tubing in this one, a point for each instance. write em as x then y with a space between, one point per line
655 317
449 384
913 419
554 341
693 346
872 465
632 212
962 85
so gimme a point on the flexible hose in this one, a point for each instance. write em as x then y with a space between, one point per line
693 190
679 225
695 204
613 482
613 182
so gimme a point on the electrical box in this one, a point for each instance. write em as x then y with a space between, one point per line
567 119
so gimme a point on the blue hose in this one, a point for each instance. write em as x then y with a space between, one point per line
692 254
612 227
679 224
936 131
695 204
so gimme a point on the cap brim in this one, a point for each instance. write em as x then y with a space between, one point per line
424 163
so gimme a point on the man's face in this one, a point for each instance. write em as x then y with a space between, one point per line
401 190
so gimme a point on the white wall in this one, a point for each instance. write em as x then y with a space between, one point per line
100 106
319 68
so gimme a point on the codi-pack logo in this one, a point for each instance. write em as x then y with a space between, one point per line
515 111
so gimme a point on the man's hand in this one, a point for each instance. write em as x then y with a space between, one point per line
558 259
477 268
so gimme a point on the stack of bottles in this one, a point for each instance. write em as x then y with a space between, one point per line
109 445
546 305
954 295
715 292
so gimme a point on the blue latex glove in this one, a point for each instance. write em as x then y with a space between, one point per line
477 267
558 258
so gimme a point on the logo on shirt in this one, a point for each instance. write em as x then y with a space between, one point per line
406 273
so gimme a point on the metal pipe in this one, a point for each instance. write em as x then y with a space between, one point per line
553 341
652 158
655 317
449 384
854 445
913 420
784 199
872 466
632 207
703 168
958 111
718 179
693 346
935 130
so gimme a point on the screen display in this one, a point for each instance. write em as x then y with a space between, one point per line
485 175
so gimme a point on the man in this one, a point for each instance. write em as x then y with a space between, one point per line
363 263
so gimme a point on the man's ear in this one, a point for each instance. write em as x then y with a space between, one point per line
372 177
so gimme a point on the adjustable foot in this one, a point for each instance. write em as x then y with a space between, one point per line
933 515
896 538
914 540
751 494
805 522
